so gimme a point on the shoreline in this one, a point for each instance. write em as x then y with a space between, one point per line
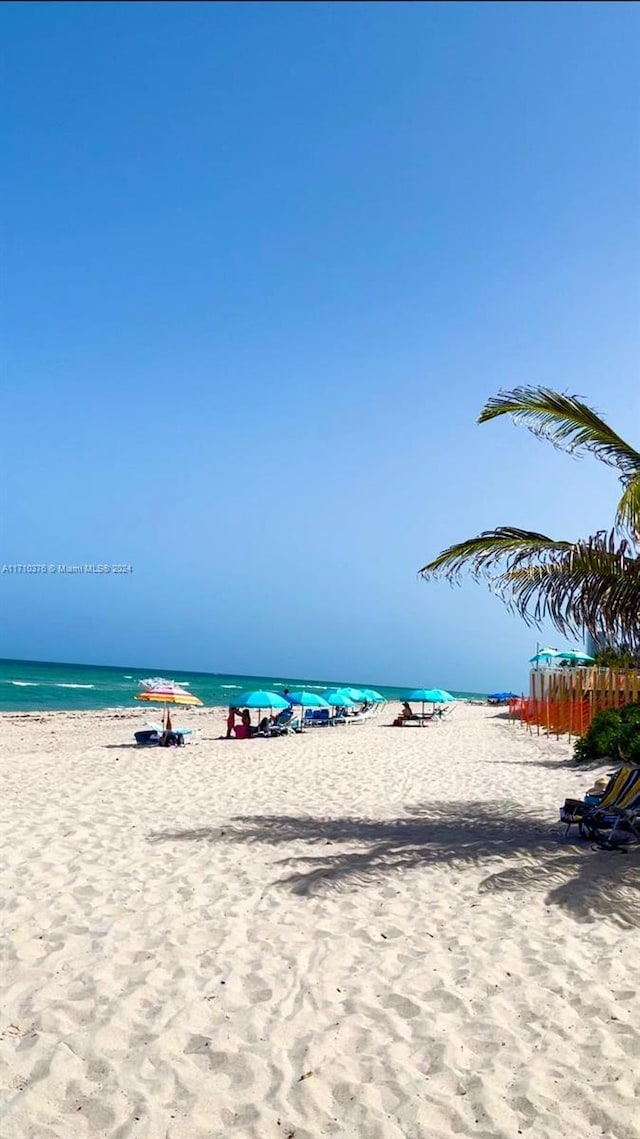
126 709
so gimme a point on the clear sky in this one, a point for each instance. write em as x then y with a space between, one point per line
263 265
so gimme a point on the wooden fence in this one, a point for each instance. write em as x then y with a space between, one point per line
566 700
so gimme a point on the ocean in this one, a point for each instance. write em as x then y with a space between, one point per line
44 686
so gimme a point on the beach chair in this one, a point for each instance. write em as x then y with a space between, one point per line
611 816
359 718
624 830
622 793
416 719
443 712
317 717
284 724
150 737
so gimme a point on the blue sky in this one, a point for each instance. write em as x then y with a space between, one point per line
264 263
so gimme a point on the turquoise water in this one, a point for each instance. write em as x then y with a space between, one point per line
42 686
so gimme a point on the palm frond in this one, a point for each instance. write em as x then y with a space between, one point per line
592 584
567 422
482 556
628 512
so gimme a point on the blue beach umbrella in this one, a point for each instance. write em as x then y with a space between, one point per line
345 693
260 699
308 699
544 655
356 694
439 696
372 696
431 695
338 699
577 657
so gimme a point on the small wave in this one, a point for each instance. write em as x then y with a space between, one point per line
75 685
128 678
25 683
231 686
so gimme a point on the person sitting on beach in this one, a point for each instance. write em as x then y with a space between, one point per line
170 738
246 721
244 730
406 713
283 717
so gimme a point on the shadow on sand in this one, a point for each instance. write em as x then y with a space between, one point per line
585 767
586 884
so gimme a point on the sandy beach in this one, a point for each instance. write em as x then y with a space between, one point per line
363 932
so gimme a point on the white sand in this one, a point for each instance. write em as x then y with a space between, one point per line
366 932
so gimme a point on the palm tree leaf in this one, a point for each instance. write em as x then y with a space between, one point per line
628 512
482 556
566 422
592 585
595 586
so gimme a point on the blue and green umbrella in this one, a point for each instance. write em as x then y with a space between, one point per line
431 695
372 696
355 694
338 698
543 655
260 699
576 656
307 700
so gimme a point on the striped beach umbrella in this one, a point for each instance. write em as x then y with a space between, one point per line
158 690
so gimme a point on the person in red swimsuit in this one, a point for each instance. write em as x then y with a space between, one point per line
231 721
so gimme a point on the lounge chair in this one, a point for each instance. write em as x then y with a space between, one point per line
151 738
317 717
609 817
284 724
416 718
622 793
624 829
359 717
